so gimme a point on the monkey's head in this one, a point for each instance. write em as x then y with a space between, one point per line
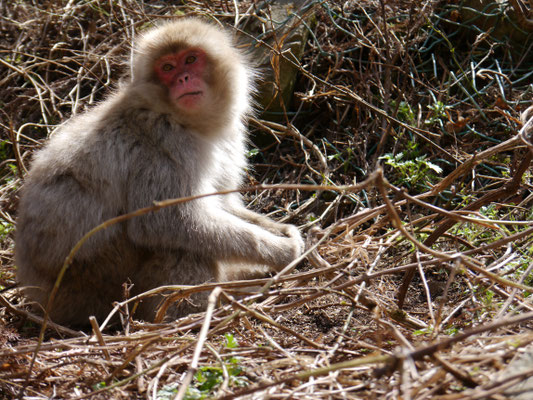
197 69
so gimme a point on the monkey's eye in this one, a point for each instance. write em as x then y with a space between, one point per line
167 67
190 60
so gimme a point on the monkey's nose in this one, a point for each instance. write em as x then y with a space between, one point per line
183 78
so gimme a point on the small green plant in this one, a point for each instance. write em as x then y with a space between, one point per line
405 113
425 331
99 385
489 211
477 234
488 297
451 331
252 152
231 342
168 392
4 150
413 173
208 378
529 279
437 114
5 228
206 382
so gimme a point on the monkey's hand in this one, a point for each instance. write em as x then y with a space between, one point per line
291 240
288 235
274 227
291 232
286 230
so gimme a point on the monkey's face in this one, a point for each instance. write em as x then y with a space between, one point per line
183 73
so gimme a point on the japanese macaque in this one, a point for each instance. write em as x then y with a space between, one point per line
177 129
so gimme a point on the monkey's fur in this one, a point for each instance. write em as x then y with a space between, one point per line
132 149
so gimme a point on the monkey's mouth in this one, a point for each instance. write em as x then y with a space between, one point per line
198 93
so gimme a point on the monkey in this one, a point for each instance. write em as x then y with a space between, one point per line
177 128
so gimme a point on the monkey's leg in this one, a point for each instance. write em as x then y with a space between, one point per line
173 268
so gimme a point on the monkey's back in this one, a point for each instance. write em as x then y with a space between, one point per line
66 193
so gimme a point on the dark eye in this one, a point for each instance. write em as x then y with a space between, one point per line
167 67
190 60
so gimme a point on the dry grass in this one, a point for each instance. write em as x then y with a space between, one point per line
377 79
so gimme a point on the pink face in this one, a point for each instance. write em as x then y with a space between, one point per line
183 74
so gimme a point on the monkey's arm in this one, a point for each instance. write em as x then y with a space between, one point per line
267 223
211 230
203 225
